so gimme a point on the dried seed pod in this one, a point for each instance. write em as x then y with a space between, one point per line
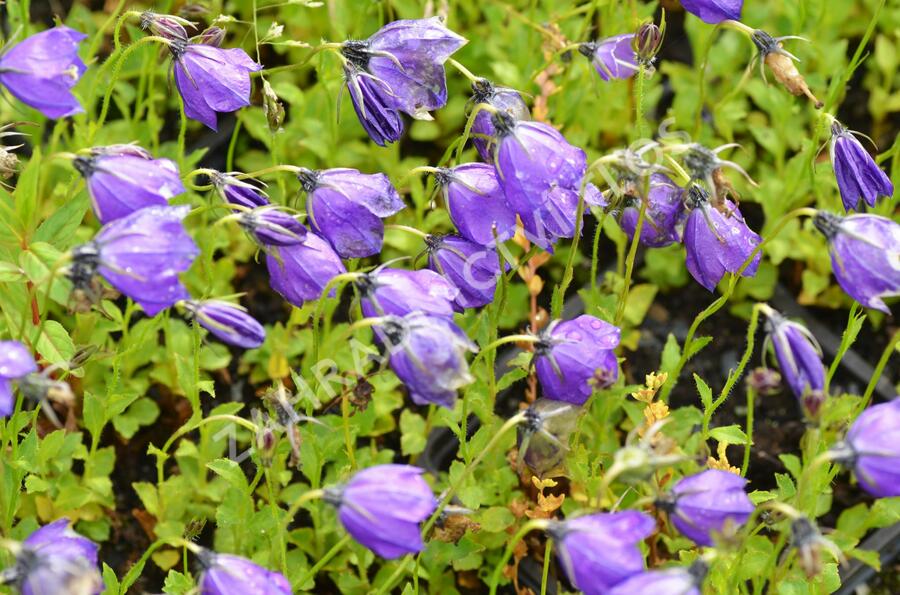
781 63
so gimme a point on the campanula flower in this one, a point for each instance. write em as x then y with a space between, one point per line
300 272
229 322
371 102
798 353
387 291
471 268
613 57
227 574
671 581
714 11
661 216
212 80
346 208
717 242
122 179
16 362
865 256
141 255
543 436
236 191
382 506
476 203
269 226
872 449
702 505
858 176
500 98
166 26
600 550
428 354
55 559
573 357
41 70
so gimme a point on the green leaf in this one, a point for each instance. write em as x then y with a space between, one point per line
177 583
54 344
705 392
10 272
412 433
110 581
142 412
230 471
26 193
732 434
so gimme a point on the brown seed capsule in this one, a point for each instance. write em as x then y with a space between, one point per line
272 107
781 63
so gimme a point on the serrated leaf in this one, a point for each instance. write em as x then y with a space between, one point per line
705 392
54 343
230 471
732 434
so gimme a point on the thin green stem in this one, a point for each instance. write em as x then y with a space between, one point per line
751 406
503 341
348 436
298 504
629 261
847 339
639 101
532 525
325 559
560 293
462 69
545 574
879 369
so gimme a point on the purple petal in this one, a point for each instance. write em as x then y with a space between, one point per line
16 360
714 11
300 273
477 204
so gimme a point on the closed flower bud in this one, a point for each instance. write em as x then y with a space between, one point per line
543 436
672 581
714 11
872 449
266 443
858 176
765 381
213 36
15 362
300 272
398 292
227 574
167 26
239 192
647 42
272 108
476 203
798 353
372 105
781 63
229 322
613 57
270 226
471 268
500 98
662 214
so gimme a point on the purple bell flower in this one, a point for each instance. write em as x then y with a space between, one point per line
227 574
55 559
300 272
382 506
714 11
872 449
613 57
476 203
717 242
471 268
600 550
865 256
346 208
573 357
141 256
398 292
662 214
41 70
239 192
799 355
371 102
271 227
229 322
673 581
15 362
500 98
122 179
858 176
212 80
702 504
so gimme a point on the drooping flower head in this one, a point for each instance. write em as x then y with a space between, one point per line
476 203
141 255
714 11
236 191
16 362
858 176
672 581
229 322
543 436
799 357
661 216
705 165
300 272
41 70
599 551
227 574
471 268
371 102
574 357
500 98
270 226
717 242
613 57
382 506
346 207
167 26
702 505
397 292
872 449
865 256
122 179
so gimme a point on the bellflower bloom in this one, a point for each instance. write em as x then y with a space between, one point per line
371 102
613 57
672 581
41 70
140 255
271 227
229 322
500 98
799 355
227 574
573 357
661 216
382 506
858 176
865 256
239 192
714 11
15 362
398 292
702 504
600 550
300 272
717 242
122 179
471 268
872 449
476 203
211 80
428 354
346 208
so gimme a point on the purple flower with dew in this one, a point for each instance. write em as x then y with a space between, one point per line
865 256
41 70
872 449
398 292
664 210
613 57
141 255
428 354
212 80
500 98
16 362
476 203
671 581
798 353
575 357
382 506
346 207
858 176
601 550
229 322
122 179
371 102
714 11
717 242
470 267
236 191
704 504
270 226
227 574
300 272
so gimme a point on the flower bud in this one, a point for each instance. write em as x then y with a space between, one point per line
673 581
265 445
272 108
858 175
872 449
227 574
229 322
166 26
647 42
213 36
798 353
765 381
